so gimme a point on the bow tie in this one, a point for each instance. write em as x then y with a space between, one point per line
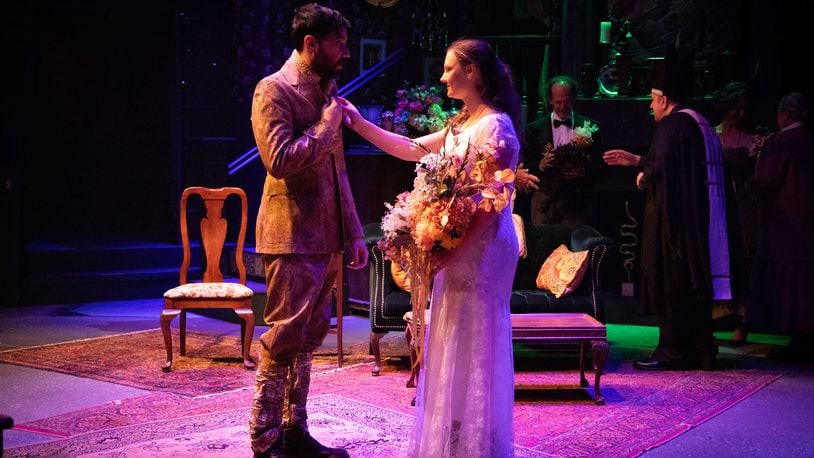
564 122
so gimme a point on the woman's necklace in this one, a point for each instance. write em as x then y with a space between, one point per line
474 117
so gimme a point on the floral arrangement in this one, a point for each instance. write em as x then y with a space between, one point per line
418 110
573 152
447 190
435 215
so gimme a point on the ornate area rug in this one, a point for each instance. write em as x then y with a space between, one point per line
364 430
212 363
371 416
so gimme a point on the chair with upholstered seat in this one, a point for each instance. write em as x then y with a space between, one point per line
213 292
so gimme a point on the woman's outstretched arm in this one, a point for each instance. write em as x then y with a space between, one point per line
391 143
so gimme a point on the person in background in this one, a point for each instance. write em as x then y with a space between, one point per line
306 217
741 143
686 248
783 275
565 189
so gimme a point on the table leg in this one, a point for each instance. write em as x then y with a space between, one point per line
583 382
600 355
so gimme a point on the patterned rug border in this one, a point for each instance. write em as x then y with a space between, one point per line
67 342
710 416
211 365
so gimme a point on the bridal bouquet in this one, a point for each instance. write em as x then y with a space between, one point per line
418 111
574 152
435 215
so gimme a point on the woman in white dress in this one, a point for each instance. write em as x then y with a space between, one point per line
466 391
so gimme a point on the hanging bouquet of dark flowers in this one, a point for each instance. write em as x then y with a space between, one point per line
418 110
573 153
435 215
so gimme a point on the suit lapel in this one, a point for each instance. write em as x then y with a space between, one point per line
307 86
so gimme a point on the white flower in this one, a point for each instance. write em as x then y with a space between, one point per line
586 130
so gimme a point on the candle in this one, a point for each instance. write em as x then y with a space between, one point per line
604 31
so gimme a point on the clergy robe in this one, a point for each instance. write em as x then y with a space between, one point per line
676 279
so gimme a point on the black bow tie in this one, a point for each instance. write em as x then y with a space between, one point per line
564 122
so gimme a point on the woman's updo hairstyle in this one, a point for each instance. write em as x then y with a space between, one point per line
498 89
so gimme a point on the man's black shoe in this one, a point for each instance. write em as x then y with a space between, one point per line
654 365
704 363
297 442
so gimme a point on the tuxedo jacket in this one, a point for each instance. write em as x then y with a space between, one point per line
307 206
538 133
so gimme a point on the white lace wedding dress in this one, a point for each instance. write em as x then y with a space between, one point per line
466 389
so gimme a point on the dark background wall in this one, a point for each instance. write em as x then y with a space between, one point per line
111 108
89 94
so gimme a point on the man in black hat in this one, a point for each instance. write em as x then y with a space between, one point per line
685 232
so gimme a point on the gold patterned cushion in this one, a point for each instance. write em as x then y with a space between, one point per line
562 271
400 277
209 291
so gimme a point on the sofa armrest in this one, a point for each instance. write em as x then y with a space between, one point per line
373 233
386 299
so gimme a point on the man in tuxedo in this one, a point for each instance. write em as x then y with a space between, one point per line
565 193
306 217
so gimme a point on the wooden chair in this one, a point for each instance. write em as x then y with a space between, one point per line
213 292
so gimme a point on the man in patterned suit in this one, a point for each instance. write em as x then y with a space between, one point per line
306 217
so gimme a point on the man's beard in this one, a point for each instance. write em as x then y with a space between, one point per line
324 68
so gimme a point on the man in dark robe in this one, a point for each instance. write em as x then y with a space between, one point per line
783 276
686 239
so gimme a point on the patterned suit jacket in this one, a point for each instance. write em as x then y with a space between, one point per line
307 205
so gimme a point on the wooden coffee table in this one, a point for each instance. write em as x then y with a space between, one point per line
567 327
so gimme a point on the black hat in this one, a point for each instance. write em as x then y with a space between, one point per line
673 78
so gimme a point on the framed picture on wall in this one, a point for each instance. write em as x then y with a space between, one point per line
371 52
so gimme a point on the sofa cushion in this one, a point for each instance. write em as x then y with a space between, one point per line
540 242
562 271
396 304
400 277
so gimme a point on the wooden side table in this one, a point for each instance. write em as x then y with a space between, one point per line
568 327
